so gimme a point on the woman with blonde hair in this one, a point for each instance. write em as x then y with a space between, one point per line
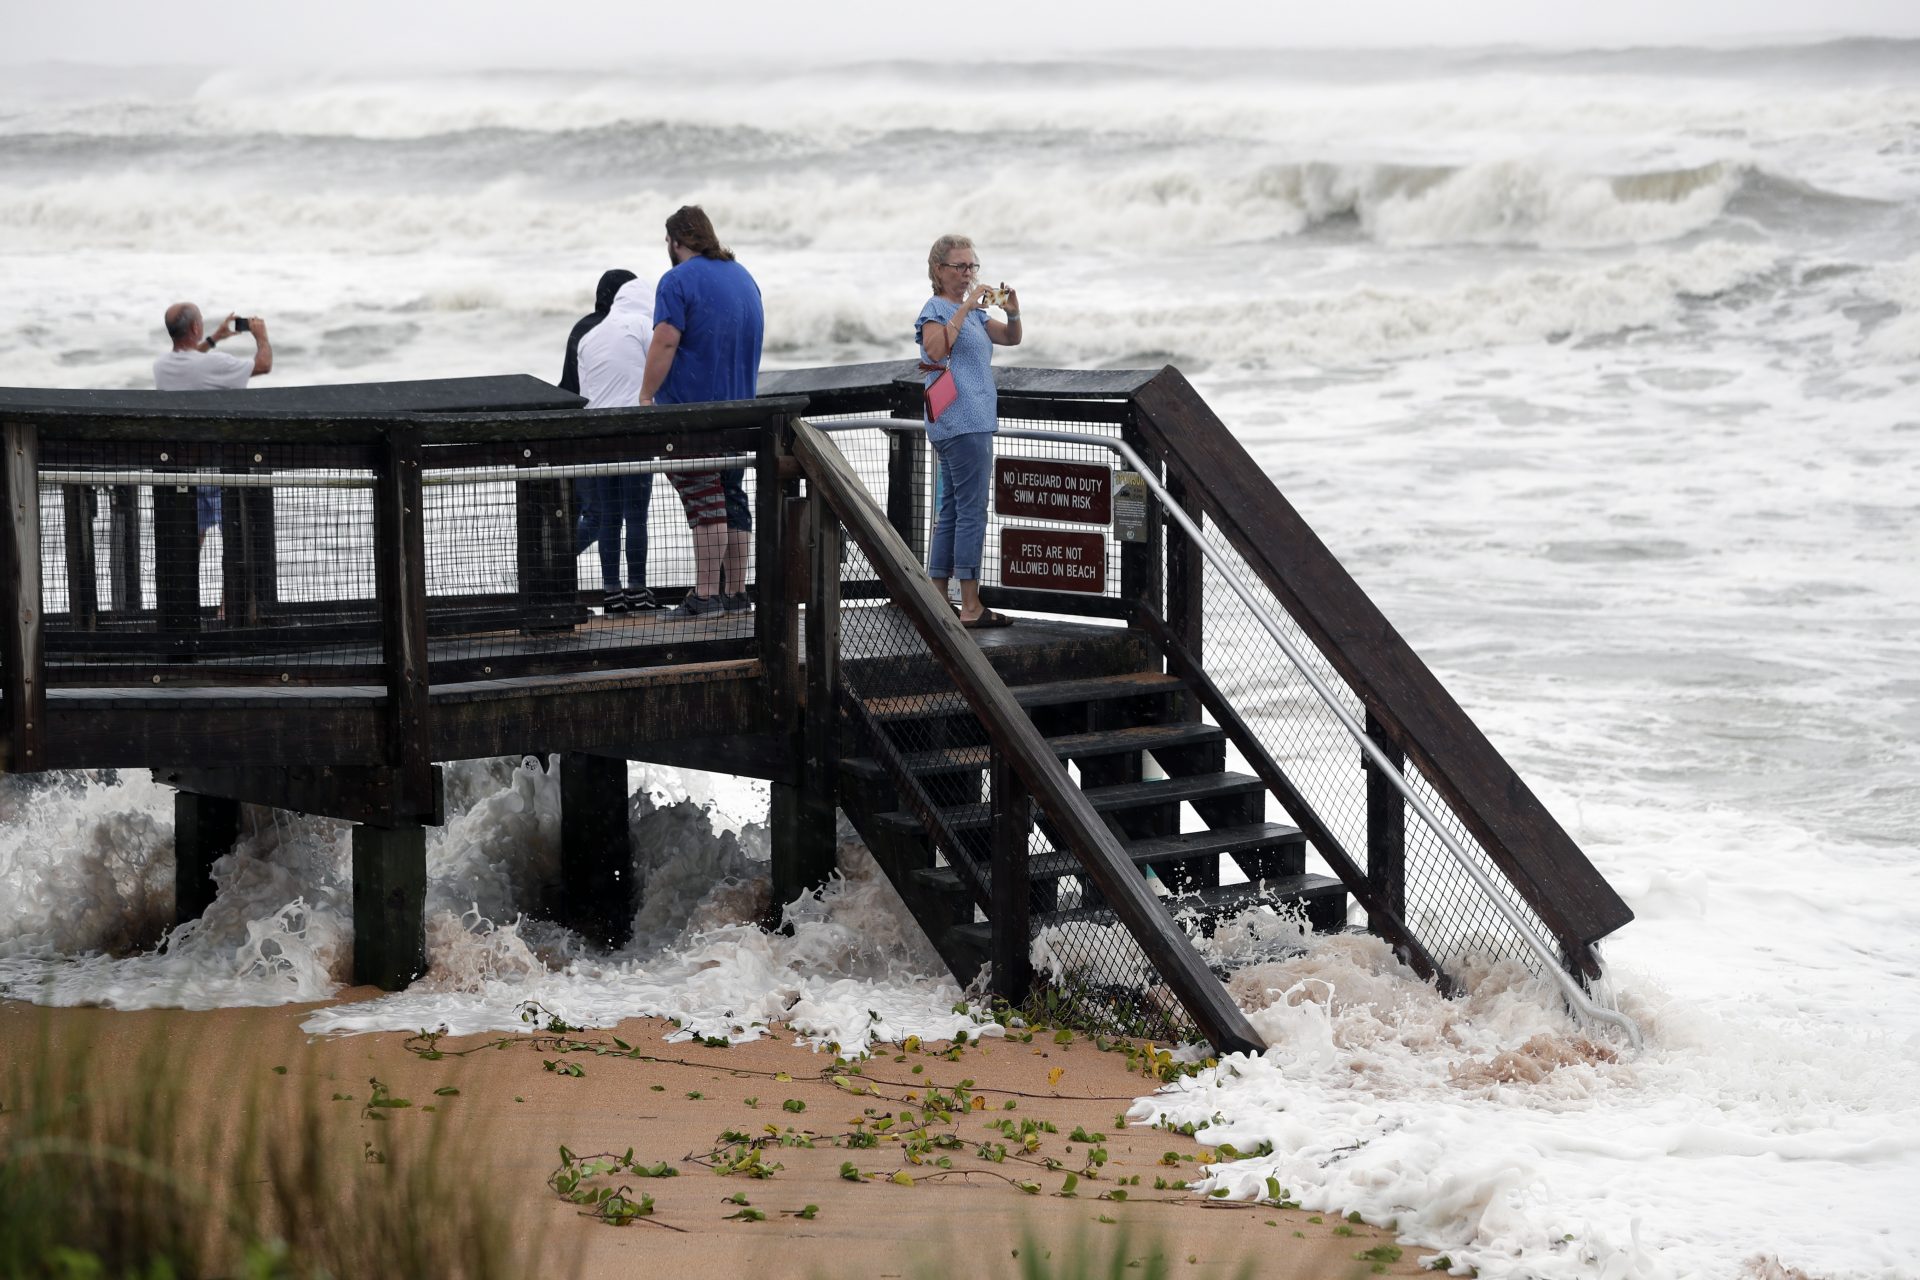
957 337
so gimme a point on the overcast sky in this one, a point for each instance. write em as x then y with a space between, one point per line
608 32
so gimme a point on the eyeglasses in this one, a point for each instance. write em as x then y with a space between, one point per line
971 267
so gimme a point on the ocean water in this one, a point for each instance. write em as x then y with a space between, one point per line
1600 370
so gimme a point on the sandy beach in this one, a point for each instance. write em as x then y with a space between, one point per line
516 1106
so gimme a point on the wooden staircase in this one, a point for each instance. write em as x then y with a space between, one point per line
1103 726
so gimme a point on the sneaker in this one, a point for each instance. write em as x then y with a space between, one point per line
616 602
736 603
699 606
641 601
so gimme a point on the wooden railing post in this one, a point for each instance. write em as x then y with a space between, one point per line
23 667
806 811
909 504
1386 825
543 519
249 571
1012 899
77 505
776 617
124 593
400 589
1141 581
176 556
1186 581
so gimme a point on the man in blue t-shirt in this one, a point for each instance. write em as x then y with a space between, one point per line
706 346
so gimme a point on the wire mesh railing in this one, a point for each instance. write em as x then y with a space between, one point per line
225 563
1302 732
1415 864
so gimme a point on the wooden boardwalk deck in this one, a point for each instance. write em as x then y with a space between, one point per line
398 585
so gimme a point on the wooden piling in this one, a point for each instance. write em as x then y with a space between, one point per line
389 905
599 892
204 828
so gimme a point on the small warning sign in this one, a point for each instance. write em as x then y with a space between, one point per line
1042 489
1130 506
1053 560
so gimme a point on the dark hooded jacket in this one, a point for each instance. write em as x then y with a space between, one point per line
602 302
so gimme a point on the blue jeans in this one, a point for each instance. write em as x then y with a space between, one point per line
739 514
617 499
960 525
586 529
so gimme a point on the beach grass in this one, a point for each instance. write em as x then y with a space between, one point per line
157 1165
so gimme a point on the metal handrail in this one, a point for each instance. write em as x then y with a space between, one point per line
1576 997
430 476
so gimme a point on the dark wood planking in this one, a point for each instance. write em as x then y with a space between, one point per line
1131 684
352 793
1125 795
222 727
1077 604
1491 800
108 732
1083 747
571 443
504 393
638 720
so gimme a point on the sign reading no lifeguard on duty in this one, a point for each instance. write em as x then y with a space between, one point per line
1042 489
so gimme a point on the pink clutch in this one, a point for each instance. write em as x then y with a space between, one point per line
940 395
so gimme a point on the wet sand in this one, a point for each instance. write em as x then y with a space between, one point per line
673 1102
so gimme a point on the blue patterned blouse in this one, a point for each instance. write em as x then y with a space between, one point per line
976 407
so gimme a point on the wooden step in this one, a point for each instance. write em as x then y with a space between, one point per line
1073 746
1323 897
1114 799
1184 848
1052 693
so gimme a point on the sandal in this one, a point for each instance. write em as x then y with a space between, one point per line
987 618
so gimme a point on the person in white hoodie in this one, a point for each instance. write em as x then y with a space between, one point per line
613 356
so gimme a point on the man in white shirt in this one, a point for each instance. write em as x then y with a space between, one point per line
194 365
